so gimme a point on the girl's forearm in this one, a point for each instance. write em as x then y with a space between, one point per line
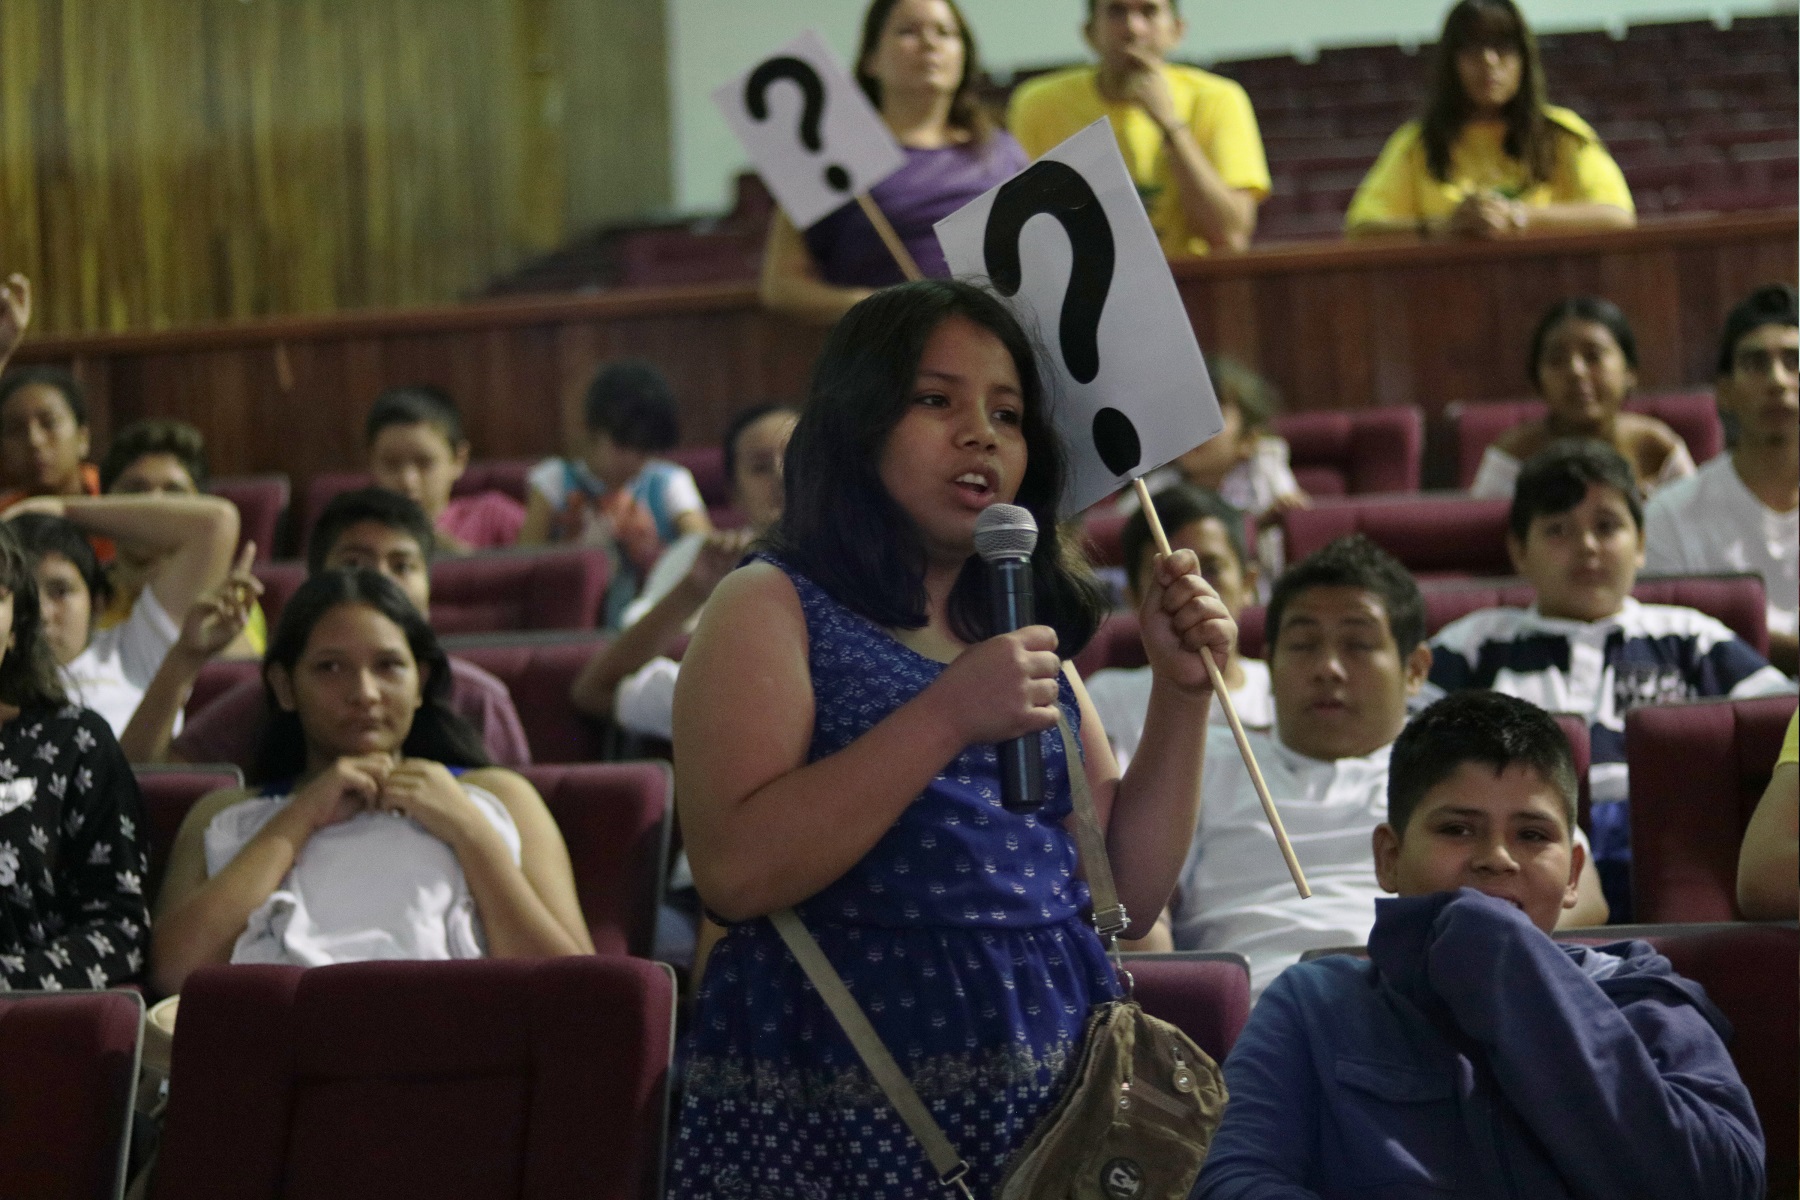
513 916
203 928
1158 803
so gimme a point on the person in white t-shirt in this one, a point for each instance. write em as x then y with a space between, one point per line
1346 636
1741 512
1200 521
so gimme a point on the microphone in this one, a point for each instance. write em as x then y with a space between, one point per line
1005 536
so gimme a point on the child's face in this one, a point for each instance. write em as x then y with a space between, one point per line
67 606
1582 563
41 443
1339 682
1207 464
612 464
960 444
1219 564
1583 376
157 474
393 552
419 462
1505 834
757 488
1763 388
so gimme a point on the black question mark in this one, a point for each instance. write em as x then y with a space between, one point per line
1058 190
799 71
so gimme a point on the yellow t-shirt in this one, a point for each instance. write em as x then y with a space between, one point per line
1400 187
1047 110
1790 745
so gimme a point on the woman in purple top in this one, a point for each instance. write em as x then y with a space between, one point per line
917 62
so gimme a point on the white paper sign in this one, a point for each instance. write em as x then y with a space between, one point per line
813 135
1068 243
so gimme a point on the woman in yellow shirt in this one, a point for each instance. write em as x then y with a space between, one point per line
1490 158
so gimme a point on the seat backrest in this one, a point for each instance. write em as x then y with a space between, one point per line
1696 773
615 819
1575 728
262 502
507 475
707 463
169 792
218 677
68 1068
1205 994
539 671
280 581
514 590
1736 600
1475 426
317 493
1355 451
515 1078
1433 534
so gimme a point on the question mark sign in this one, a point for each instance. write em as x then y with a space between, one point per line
799 72
1058 190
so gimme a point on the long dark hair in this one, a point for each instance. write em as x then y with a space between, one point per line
841 528
1531 136
1597 309
437 732
967 112
28 674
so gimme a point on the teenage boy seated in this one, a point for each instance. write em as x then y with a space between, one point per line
1576 533
417 448
1199 521
1346 652
1470 1055
385 532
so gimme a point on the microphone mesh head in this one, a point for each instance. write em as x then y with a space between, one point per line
1005 531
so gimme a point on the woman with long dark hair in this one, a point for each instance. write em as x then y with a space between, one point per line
379 831
835 723
918 65
1490 157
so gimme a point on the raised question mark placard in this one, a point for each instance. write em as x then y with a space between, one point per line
814 137
1067 242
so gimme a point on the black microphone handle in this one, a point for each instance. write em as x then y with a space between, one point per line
1022 758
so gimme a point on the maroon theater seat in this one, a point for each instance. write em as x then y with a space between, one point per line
1575 728
506 475
1206 994
68 1067
615 819
707 463
1434 535
169 792
280 581
518 589
1102 532
538 670
318 492
1353 452
528 1079
1696 773
262 501
218 677
1474 427
1736 600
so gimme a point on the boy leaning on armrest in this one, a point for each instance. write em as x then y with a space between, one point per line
1470 1055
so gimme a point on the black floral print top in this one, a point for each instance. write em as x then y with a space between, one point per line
72 857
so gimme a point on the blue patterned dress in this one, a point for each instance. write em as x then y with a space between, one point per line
960 935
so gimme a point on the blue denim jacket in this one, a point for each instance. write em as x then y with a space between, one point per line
1473 1056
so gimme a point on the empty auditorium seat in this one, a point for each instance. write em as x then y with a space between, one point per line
506 475
1435 535
527 1079
1474 427
218 677
280 581
318 492
68 1067
262 502
1736 600
538 670
1206 994
1356 451
169 792
615 819
707 464
1696 772
558 588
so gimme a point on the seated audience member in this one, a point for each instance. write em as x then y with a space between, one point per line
72 858
417 448
109 670
44 437
1470 1055
311 867
1741 511
1490 157
918 65
1585 646
631 679
15 314
159 458
1346 632
1199 521
1189 137
1584 363
385 532
1768 885
620 495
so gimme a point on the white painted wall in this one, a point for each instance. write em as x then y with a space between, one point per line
711 40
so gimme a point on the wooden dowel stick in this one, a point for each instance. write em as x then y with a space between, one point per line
1223 695
889 238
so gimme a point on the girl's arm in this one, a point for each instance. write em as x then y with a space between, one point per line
790 281
15 314
199 534
1570 218
529 908
766 829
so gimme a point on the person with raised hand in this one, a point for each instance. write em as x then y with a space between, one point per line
15 314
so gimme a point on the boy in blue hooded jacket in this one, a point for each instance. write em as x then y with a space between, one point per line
1470 1055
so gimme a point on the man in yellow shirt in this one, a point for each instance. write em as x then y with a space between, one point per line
1189 137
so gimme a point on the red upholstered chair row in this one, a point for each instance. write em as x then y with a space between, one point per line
262 503
68 1068
1435 535
1696 772
528 1079
1355 451
169 792
483 475
1204 993
1474 427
